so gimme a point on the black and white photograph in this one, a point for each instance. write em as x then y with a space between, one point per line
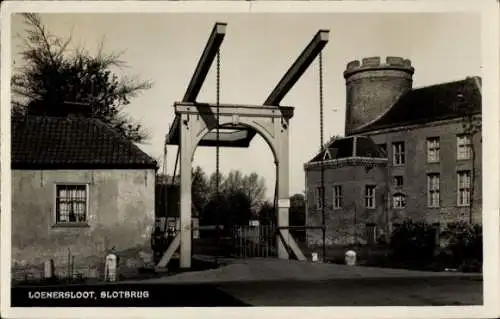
238 156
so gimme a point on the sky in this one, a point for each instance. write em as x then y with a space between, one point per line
257 50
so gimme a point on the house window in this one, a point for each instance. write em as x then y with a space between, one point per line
327 156
398 200
71 203
398 153
464 184
433 150
433 190
383 148
319 197
370 196
464 147
337 196
371 234
397 181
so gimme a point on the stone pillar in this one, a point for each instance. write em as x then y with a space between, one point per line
185 192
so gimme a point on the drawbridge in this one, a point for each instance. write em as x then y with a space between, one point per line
235 125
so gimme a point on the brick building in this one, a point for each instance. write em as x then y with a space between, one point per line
407 153
78 189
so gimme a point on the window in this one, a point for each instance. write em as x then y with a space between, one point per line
397 181
464 147
383 148
327 156
433 190
398 200
464 184
370 196
337 196
371 234
433 150
71 203
398 153
319 197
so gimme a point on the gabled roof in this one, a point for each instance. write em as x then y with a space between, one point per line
72 143
352 146
431 103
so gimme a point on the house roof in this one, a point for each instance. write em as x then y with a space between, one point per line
73 143
352 146
431 103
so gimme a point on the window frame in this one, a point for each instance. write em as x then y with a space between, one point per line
395 181
56 212
431 190
370 196
401 154
466 146
436 148
319 196
337 197
403 201
468 174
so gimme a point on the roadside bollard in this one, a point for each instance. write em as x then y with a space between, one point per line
350 258
49 269
314 257
111 267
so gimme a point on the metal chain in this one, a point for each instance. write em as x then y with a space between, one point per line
322 150
321 100
217 151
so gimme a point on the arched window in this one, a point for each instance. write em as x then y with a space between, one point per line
398 200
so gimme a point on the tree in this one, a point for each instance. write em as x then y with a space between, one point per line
297 215
228 210
251 185
215 212
413 244
266 213
199 189
297 210
212 182
239 200
240 210
53 81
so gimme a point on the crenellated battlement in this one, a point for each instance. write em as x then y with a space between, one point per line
378 63
373 85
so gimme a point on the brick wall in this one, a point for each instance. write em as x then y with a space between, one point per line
346 224
341 222
121 214
416 169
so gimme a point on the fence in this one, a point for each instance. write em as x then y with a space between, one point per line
66 271
254 241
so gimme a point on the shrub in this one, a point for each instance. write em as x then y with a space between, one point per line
413 244
463 245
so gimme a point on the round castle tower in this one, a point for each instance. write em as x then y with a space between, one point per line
372 88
